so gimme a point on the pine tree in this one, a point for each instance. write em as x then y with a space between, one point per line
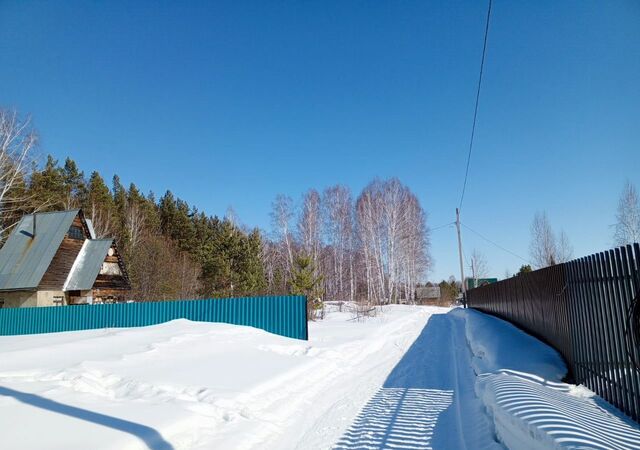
167 209
74 185
304 282
119 215
525 268
98 206
47 186
255 281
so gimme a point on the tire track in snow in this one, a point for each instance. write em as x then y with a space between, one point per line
303 398
428 401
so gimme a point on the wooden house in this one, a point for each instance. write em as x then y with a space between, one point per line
54 258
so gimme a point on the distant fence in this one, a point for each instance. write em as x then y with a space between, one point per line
286 316
588 309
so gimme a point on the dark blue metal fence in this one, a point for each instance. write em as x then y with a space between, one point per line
286 315
589 310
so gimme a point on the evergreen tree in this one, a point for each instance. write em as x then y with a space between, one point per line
305 282
47 186
98 205
253 270
74 185
151 215
525 268
172 249
119 214
167 210
448 291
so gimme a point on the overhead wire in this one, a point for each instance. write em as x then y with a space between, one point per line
442 226
494 243
475 112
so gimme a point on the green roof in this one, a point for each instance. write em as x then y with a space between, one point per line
25 258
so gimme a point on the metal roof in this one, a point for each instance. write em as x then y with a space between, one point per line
92 231
87 265
24 258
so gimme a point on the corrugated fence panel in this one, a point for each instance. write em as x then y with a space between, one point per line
286 315
587 309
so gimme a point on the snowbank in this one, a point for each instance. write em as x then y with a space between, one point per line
518 379
194 385
498 345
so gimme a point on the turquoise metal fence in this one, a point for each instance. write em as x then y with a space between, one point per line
286 316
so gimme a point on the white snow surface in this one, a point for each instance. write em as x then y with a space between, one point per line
498 345
519 381
408 378
195 385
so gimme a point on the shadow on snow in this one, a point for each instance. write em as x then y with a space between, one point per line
148 435
414 409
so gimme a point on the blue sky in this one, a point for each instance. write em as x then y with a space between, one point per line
231 103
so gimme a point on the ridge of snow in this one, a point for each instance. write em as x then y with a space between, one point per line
519 382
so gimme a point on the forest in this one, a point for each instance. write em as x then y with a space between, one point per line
327 245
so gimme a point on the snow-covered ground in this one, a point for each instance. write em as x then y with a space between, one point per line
409 378
519 382
192 385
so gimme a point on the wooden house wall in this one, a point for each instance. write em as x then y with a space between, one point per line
114 286
61 264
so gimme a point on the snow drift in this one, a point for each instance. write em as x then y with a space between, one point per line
519 381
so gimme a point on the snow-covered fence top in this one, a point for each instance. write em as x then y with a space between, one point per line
589 310
285 315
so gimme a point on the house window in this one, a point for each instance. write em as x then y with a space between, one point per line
75 232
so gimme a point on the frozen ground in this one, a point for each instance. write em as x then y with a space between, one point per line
190 385
519 382
410 378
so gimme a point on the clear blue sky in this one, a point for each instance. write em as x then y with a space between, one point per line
230 103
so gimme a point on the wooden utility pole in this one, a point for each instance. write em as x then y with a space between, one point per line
464 288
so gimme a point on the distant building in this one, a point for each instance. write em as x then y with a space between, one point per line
477 282
428 293
54 258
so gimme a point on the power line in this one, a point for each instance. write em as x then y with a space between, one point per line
475 112
442 226
497 245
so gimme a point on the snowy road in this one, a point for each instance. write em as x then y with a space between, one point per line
428 400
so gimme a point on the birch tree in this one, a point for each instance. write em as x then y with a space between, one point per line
337 207
394 239
543 247
565 249
627 227
368 215
479 265
281 216
309 228
17 142
414 245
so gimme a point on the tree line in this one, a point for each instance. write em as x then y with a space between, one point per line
375 248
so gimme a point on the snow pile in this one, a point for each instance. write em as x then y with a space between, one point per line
193 385
519 383
498 345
